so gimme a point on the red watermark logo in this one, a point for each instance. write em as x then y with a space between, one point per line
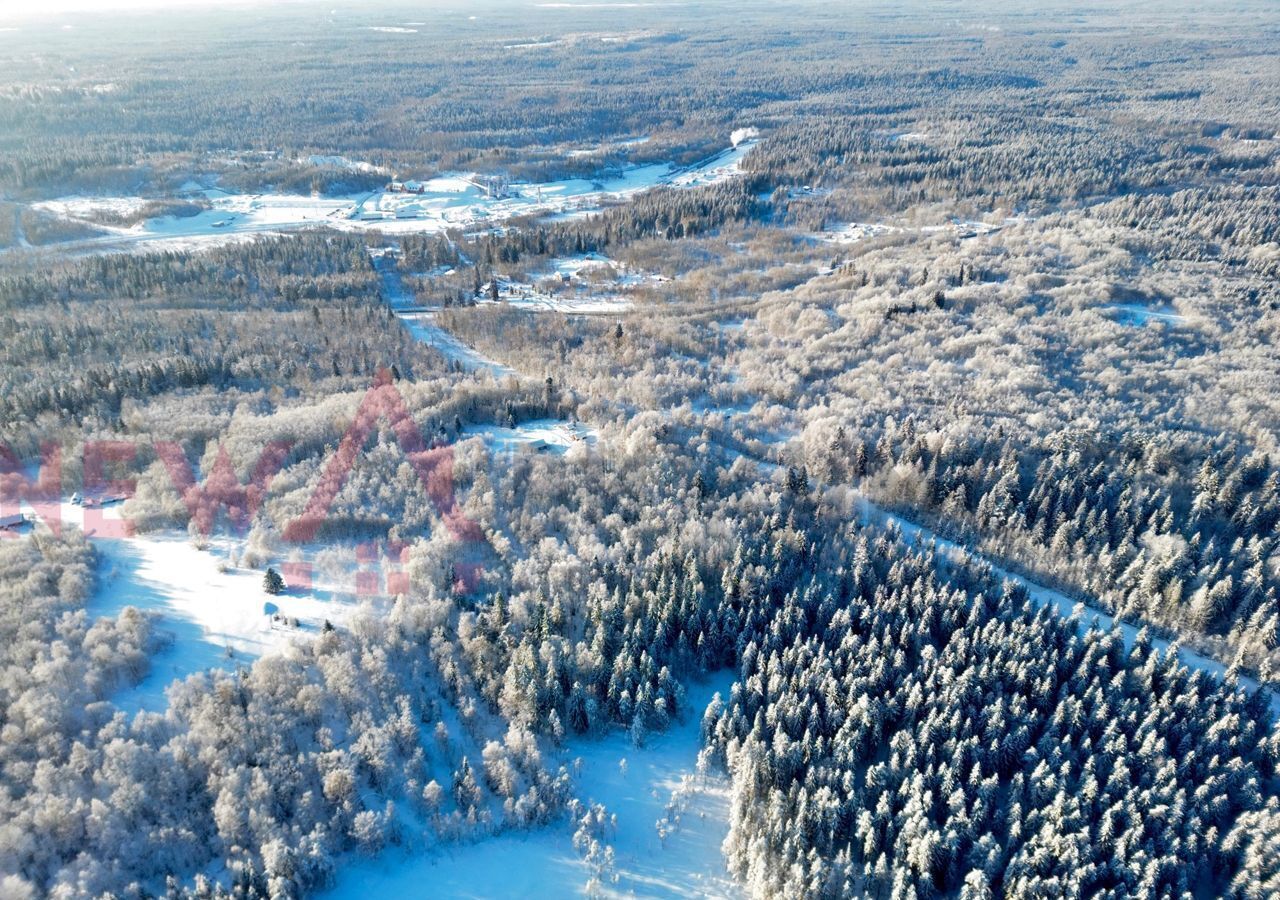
381 566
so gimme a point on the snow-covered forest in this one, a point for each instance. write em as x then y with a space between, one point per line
664 466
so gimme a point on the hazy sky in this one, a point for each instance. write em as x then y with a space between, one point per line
30 9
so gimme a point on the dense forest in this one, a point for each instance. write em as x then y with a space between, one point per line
1010 278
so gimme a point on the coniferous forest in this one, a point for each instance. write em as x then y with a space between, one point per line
742 450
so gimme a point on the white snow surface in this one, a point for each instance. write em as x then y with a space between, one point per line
448 201
724 165
551 435
1138 315
606 147
543 863
854 232
423 327
342 162
580 295
572 302
213 615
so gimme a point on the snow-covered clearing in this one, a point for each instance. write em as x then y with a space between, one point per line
724 165
967 228
855 232
543 863
459 200
552 435
1138 316
342 162
601 149
579 290
532 45
572 265
570 302
214 615
858 231
1061 602
77 207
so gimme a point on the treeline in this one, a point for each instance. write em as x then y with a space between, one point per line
898 734
1009 159
88 337
1184 546
1228 223
610 579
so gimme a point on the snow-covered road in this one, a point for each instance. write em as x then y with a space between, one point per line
421 324
1048 596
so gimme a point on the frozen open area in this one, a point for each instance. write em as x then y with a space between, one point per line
214 615
585 284
570 301
550 435
212 612
854 232
544 864
1137 315
461 200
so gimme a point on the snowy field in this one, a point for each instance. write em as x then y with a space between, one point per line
549 435
590 284
342 162
854 232
212 614
601 149
530 298
449 201
1138 316
544 864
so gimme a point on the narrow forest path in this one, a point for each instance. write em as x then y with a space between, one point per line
19 233
421 323
875 514
424 329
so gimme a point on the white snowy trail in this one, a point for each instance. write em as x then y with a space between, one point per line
1060 601
19 233
422 325
424 330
